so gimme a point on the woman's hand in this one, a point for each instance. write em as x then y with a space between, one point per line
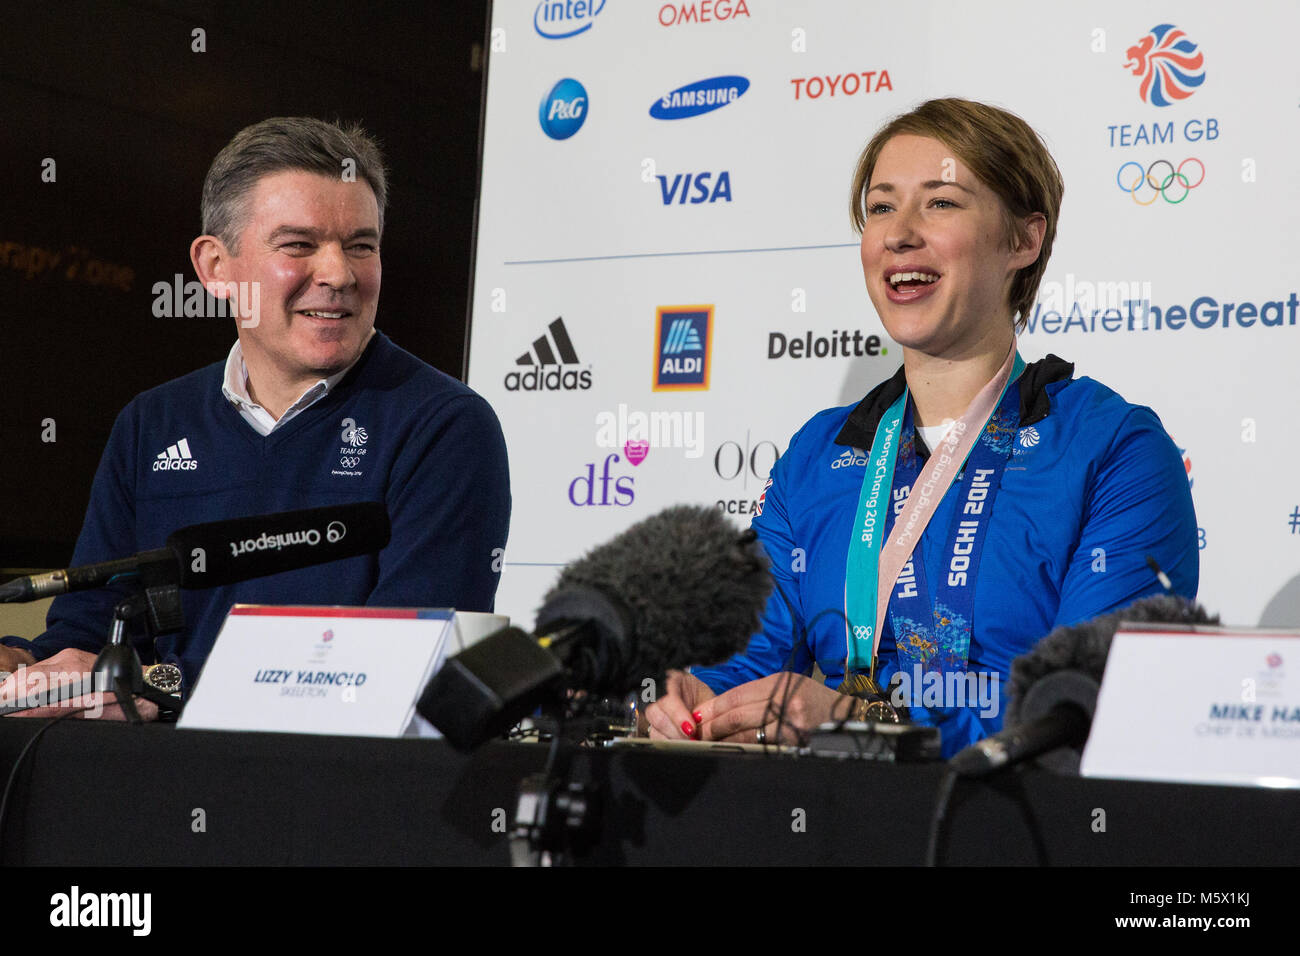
737 715
672 716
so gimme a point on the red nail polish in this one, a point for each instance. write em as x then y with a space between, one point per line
687 729
699 718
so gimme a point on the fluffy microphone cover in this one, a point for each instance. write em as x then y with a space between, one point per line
1084 647
692 585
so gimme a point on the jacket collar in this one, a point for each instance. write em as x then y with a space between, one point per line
860 429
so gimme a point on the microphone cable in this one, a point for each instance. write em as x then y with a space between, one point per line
17 767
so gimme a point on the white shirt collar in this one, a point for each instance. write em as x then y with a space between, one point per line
235 388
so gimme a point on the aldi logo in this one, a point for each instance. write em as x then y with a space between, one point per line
683 344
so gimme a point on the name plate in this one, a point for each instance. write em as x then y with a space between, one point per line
355 671
1207 705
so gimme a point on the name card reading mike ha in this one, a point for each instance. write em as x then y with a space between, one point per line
1207 705
355 671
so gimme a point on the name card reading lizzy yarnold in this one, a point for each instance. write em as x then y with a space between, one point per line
355 671
1207 705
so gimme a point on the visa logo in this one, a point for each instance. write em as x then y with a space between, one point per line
682 184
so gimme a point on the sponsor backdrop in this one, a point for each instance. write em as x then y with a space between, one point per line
667 284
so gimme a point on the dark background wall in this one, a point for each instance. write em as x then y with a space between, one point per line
115 94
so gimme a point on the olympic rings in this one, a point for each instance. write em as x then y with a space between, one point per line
861 631
348 461
1160 188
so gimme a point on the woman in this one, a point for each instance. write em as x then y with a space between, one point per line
1040 505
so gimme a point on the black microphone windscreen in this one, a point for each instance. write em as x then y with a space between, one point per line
689 585
239 549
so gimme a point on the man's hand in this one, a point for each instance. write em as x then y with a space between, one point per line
737 715
62 668
12 658
671 717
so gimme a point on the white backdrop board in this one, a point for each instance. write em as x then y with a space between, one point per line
666 186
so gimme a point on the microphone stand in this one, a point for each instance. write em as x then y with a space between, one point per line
118 667
557 817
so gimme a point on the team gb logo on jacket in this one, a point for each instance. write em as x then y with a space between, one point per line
351 453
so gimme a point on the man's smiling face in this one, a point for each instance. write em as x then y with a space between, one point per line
311 243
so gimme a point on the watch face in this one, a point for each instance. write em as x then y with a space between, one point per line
164 677
882 710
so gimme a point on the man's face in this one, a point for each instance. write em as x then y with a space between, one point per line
311 242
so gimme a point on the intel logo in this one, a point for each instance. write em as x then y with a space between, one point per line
702 96
564 109
561 19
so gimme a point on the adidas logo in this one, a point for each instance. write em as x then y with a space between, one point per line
177 457
544 372
682 337
851 458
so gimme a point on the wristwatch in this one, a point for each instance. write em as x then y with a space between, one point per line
165 678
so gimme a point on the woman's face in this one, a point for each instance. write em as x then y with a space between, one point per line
930 220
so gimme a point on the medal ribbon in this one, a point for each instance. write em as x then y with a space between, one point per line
873 566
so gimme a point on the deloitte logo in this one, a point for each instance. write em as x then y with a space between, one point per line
545 370
563 109
561 19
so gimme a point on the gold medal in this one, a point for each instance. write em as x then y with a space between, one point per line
860 685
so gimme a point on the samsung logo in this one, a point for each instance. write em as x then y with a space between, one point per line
702 96
561 19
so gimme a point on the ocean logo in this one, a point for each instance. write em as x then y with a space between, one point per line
702 96
561 19
563 109
1171 66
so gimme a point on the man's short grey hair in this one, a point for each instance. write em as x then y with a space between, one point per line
285 143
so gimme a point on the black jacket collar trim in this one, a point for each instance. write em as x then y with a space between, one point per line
860 429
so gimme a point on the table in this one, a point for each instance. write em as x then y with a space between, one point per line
99 793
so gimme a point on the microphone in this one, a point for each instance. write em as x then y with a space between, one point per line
226 552
680 588
240 549
1054 688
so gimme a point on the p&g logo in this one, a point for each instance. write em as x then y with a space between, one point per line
563 109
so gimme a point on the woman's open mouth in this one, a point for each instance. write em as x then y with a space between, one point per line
910 285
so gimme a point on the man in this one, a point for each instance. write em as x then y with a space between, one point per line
312 407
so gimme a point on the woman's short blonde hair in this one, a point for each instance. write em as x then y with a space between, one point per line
1004 152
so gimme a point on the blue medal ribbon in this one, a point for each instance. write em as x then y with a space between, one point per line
935 634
